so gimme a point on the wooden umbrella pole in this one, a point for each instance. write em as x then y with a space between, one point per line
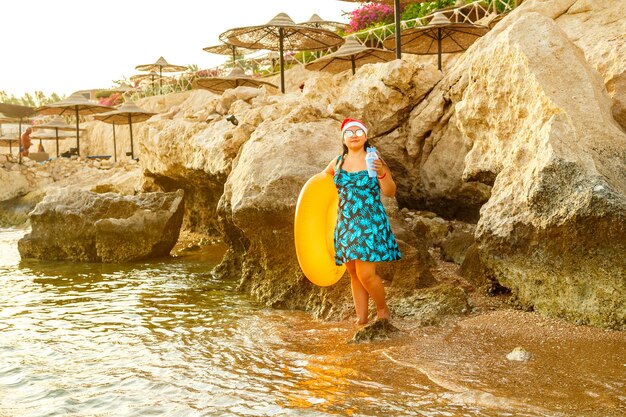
396 8
114 145
56 132
439 48
77 134
19 142
352 60
130 124
281 34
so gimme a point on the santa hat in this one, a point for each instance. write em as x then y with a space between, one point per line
347 123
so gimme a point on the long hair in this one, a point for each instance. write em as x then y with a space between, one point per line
366 145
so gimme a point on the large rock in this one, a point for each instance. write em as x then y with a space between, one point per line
382 95
84 226
553 229
191 154
258 206
599 29
14 184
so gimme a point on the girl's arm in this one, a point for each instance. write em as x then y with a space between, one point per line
387 184
330 169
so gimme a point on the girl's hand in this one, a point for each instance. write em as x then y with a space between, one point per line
378 166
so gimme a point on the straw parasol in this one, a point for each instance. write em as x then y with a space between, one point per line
225 49
317 22
397 8
9 141
162 66
439 36
6 119
235 79
21 115
57 123
75 104
140 77
128 113
41 135
350 55
122 88
282 33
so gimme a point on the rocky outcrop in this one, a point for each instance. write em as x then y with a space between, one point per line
518 134
27 183
599 30
296 138
85 226
553 229
193 149
14 184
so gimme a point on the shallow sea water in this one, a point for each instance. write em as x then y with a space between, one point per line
166 338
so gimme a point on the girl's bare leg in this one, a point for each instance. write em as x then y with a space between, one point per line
359 294
366 272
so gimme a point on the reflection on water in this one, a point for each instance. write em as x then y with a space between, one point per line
166 338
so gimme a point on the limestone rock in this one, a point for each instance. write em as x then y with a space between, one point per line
382 95
85 226
519 354
377 330
429 306
601 36
553 229
456 244
13 183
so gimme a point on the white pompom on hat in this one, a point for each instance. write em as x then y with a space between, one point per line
347 123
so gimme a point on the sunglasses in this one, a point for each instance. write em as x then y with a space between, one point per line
349 133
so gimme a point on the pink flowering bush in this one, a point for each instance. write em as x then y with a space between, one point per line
368 15
113 100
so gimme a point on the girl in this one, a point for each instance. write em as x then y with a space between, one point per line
362 233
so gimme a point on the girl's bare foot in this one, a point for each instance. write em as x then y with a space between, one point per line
383 313
360 321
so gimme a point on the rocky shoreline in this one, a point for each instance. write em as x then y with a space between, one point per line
510 167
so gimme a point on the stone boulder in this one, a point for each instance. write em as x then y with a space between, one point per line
14 184
197 156
293 142
597 29
84 226
553 229
382 95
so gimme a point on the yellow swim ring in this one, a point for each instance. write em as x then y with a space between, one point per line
314 227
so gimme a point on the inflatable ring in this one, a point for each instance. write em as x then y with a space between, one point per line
314 228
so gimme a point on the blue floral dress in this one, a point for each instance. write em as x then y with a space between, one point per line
362 230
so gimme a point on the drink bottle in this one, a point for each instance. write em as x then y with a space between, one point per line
370 157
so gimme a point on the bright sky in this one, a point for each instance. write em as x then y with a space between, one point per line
67 45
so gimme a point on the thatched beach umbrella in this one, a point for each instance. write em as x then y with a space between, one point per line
397 9
140 77
42 135
6 119
20 114
225 49
9 141
56 124
75 104
122 88
317 22
128 113
235 79
350 55
281 33
437 37
161 65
